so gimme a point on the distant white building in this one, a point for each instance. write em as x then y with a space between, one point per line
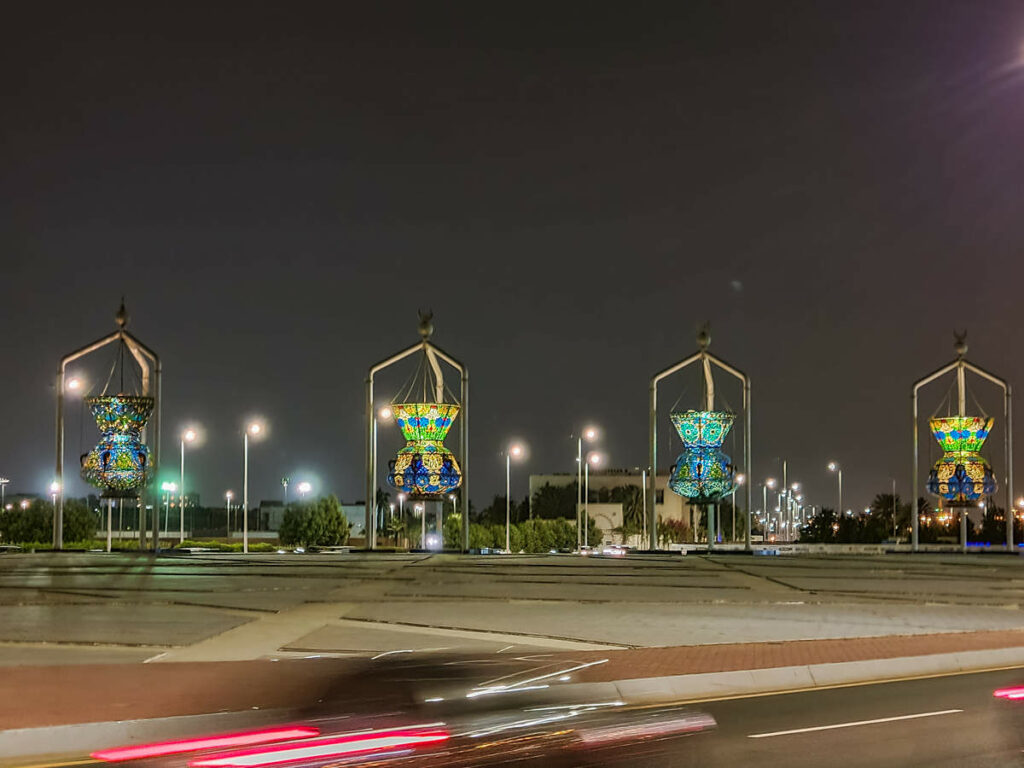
608 516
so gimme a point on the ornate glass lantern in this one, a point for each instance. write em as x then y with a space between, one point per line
962 476
424 468
119 464
702 473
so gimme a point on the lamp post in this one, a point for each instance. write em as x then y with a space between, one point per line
168 489
516 451
589 434
254 429
284 484
595 459
188 436
401 514
793 498
54 490
423 524
895 534
303 488
739 480
227 499
3 487
768 483
834 467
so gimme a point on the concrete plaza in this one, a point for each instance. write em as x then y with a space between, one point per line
76 608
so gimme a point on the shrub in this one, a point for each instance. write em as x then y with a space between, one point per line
321 523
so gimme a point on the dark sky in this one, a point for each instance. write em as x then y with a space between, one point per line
277 188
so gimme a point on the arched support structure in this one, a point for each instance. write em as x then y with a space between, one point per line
149 364
961 366
706 360
434 355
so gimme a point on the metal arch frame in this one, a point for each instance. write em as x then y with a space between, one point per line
961 366
651 490
371 437
149 363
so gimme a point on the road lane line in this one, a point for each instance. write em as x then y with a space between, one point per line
853 724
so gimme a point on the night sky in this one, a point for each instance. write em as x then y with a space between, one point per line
276 189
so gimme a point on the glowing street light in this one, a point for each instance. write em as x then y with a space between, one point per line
54 490
74 384
385 413
768 483
255 429
168 489
303 488
516 451
834 467
593 459
188 436
421 511
590 435
228 495
738 480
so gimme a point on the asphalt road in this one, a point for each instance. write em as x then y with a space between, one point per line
943 721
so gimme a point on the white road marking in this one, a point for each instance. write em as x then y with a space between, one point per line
853 724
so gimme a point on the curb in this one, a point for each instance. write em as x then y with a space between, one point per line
671 689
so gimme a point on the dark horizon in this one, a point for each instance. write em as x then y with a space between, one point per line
834 187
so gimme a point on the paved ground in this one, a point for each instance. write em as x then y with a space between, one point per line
649 626
97 608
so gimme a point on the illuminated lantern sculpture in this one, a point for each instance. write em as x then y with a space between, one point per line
424 468
702 473
120 463
962 476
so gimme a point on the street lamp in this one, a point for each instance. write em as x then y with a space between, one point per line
254 429
188 436
3 487
303 488
54 490
284 483
401 515
227 498
419 508
834 467
517 451
739 480
590 435
769 483
592 459
168 489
